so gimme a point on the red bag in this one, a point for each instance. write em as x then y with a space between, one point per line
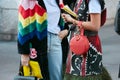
79 44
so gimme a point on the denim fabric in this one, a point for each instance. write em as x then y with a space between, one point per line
54 56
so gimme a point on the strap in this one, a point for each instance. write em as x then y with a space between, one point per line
78 5
25 70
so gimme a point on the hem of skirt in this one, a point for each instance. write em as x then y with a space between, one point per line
89 77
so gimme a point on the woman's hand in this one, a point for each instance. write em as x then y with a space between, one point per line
67 18
63 33
25 59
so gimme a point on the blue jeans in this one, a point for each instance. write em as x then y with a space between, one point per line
54 56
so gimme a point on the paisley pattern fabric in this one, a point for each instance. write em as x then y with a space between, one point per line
91 62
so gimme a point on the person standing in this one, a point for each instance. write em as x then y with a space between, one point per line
88 66
41 26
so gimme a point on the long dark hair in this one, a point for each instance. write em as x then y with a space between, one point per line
102 3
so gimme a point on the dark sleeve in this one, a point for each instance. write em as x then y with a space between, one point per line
23 49
102 3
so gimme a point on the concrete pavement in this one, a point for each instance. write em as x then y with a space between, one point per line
9 59
111 49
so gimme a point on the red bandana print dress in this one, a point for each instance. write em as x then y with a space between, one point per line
91 62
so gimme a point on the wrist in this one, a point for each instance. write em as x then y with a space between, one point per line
79 24
74 21
23 56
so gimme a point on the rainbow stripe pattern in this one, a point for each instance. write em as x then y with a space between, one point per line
32 21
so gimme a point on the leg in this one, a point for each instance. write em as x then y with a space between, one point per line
54 57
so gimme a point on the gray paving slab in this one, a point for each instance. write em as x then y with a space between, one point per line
9 59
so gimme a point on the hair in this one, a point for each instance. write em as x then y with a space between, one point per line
102 3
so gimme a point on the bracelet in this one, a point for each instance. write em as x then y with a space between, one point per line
74 22
80 24
61 5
